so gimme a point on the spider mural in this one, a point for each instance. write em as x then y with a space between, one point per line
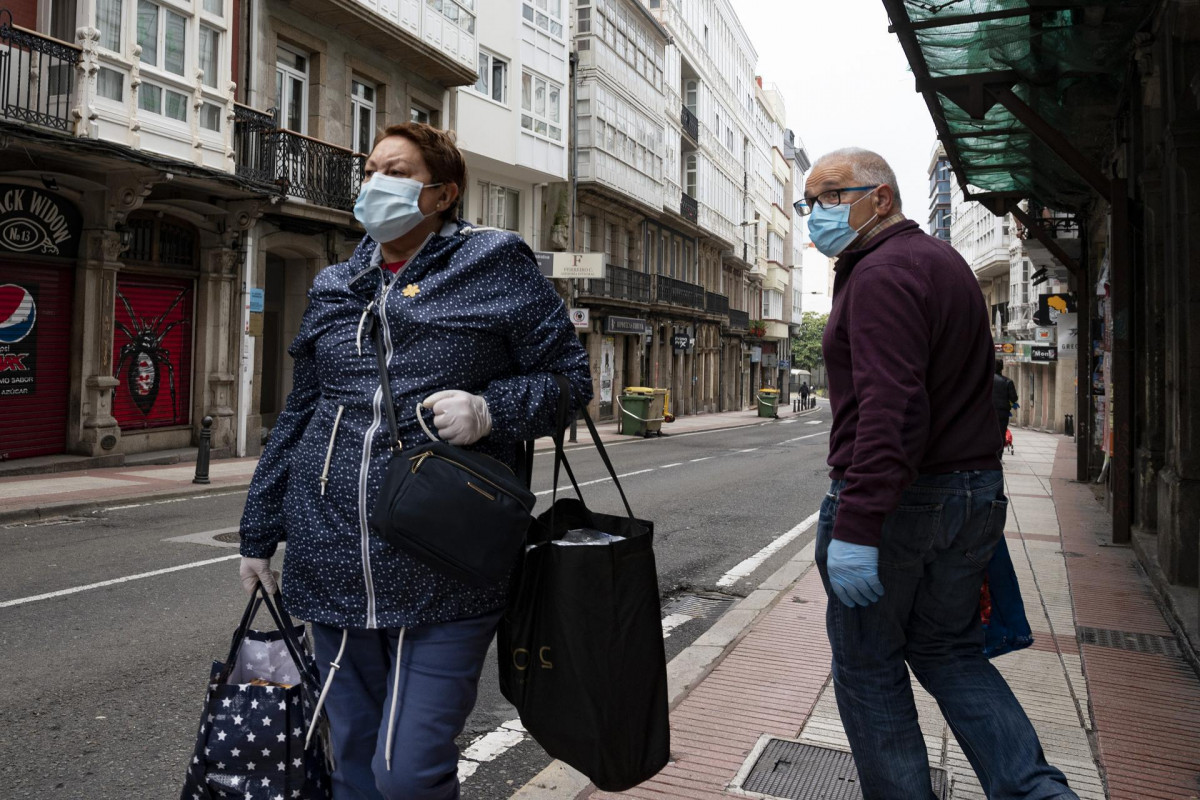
147 357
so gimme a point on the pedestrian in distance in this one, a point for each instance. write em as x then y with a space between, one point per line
474 333
804 390
916 506
1004 400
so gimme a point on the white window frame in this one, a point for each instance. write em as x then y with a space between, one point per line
219 60
530 118
282 99
546 15
160 43
495 202
488 62
358 104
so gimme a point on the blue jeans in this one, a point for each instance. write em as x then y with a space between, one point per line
935 549
439 675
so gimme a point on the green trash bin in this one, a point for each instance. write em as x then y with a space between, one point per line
634 410
768 403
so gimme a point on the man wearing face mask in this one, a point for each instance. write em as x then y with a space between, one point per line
473 332
916 506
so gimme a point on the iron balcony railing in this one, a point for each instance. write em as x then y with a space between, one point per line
37 76
716 303
691 124
299 165
689 209
619 283
253 144
739 320
679 293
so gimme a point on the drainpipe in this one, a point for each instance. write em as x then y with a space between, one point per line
574 60
246 362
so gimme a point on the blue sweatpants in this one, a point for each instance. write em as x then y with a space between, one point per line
439 676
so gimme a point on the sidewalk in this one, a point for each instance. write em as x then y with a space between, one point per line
34 497
1116 706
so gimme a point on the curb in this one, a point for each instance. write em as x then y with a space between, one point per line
16 515
688 668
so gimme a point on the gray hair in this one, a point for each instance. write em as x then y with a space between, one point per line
868 168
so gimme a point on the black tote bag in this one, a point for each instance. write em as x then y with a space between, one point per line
580 645
252 730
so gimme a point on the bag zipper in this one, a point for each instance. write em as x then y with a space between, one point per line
329 451
419 460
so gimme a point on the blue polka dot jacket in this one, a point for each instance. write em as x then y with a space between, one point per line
469 311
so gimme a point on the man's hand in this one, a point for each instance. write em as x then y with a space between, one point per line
854 573
256 570
461 418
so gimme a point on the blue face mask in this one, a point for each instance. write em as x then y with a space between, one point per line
388 207
829 228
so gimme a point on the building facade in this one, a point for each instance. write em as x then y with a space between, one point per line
939 194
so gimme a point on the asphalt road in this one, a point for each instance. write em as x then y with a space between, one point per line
102 688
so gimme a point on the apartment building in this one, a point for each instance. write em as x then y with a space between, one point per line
176 172
939 193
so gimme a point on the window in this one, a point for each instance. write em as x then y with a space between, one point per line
291 90
210 117
493 77
545 14
210 55
419 113
689 175
691 95
362 106
215 7
161 34
110 84
541 101
501 206
108 20
166 102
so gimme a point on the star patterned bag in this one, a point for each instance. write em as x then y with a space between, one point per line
257 711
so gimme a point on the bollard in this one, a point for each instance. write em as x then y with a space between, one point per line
202 455
1069 425
574 437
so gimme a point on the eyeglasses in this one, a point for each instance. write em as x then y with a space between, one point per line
827 199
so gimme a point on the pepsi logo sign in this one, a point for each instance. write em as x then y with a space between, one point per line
18 313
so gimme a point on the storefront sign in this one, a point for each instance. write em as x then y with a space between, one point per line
1043 335
257 298
682 341
1050 306
571 265
608 351
785 363
626 325
1068 335
755 354
38 222
581 318
18 339
1042 354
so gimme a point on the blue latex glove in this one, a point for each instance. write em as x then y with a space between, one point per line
854 573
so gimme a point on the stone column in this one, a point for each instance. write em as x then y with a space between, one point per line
218 334
93 429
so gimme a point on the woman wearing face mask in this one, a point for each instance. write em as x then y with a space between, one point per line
474 332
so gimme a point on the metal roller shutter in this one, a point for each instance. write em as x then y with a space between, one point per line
152 352
35 353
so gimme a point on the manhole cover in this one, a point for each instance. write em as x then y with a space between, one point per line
795 771
233 537
697 606
1128 640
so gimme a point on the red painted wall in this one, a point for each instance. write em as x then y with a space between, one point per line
24 13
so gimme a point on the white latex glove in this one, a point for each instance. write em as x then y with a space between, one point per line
461 418
254 570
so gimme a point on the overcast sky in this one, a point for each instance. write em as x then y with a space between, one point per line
846 83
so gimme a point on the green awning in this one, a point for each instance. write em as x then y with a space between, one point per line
1066 65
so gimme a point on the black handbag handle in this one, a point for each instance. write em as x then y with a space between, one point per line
260 597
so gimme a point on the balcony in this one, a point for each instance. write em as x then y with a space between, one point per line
302 167
618 283
37 77
690 123
679 293
689 209
716 303
739 320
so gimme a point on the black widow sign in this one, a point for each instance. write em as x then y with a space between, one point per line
146 356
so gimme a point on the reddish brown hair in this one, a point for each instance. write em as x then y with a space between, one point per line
440 152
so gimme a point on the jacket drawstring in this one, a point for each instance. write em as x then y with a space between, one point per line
362 321
395 699
329 452
334 666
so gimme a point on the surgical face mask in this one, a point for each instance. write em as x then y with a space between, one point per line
829 228
388 207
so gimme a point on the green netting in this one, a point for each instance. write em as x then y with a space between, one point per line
1070 66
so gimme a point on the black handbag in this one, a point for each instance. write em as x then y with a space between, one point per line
462 513
257 712
580 647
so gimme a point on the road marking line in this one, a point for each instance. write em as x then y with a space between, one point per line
752 563
673 621
62 592
747 450
490 746
668 466
197 496
813 422
562 488
786 421
809 436
706 458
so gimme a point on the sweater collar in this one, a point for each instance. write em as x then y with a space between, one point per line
851 257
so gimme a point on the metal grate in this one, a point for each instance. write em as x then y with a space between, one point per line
795 771
233 537
697 607
1127 640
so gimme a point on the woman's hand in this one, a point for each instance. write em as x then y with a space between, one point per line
258 570
461 418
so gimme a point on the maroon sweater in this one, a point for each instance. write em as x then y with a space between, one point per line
909 356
